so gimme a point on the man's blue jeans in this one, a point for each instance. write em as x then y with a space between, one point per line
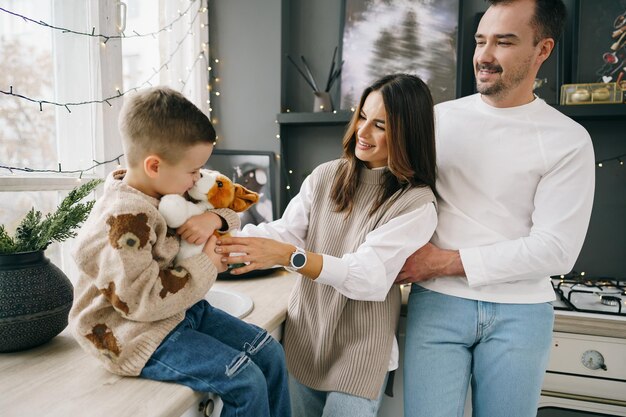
212 351
503 348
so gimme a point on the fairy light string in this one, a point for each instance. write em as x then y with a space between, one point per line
119 93
99 35
60 170
618 158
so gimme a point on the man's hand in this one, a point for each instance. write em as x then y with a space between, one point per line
428 262
197 229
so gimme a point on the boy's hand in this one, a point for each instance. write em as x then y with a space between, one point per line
216 258
199 228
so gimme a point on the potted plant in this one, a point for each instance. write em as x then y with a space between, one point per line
35 295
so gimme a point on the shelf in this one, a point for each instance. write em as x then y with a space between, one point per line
340 117
594 111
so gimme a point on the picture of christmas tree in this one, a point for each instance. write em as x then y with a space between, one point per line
417 37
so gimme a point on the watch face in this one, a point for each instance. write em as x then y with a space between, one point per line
298 260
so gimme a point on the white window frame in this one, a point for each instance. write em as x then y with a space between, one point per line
105 78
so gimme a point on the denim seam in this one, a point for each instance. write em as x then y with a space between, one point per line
461 404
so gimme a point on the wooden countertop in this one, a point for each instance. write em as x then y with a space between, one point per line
58 379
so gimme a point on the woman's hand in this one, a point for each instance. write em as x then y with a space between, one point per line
216 258
197 229
255 252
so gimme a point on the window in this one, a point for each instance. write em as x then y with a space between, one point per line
72 83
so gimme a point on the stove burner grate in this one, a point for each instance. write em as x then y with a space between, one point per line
609 291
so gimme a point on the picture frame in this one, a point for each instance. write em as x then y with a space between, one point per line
410 36
600 41
255 171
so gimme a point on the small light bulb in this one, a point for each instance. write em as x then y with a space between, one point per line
277 136
288 187
600 164
217 93
290 171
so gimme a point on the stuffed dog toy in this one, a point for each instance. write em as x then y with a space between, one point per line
213 190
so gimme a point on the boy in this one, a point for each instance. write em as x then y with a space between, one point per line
133 309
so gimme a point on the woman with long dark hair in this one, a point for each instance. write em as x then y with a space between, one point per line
347 233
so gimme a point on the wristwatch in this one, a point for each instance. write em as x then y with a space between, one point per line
297 260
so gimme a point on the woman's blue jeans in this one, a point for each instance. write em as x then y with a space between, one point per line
503 348
308 402
212 351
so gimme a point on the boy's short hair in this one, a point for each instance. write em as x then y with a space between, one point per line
161 121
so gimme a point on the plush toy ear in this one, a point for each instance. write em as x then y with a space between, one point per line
244 198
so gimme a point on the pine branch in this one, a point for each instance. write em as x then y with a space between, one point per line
60 225
7 244
35 234
28 232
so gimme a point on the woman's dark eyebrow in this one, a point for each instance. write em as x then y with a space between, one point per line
375 120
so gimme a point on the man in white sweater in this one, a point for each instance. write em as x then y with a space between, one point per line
516 183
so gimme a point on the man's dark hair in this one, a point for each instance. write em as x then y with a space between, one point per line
548 20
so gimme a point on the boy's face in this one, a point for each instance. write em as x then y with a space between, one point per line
179 177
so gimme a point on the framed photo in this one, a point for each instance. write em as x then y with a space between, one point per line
600 41
411 36
255 171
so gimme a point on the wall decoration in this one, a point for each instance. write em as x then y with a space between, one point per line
254 170
381 37
601 41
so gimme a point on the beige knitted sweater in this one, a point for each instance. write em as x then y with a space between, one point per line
129 296
334 343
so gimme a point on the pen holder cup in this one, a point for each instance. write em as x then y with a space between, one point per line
322 101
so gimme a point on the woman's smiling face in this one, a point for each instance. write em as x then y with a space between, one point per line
371 136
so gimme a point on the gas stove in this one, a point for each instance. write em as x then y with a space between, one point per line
587 372
578 293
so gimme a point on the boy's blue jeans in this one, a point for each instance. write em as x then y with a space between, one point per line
212 351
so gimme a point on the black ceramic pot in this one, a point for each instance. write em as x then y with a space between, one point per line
35 300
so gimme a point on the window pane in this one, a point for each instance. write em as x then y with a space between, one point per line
27 135
48 67
174 51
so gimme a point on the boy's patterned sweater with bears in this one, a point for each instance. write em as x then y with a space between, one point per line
129 294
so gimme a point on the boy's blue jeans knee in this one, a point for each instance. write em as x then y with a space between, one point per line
212 351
